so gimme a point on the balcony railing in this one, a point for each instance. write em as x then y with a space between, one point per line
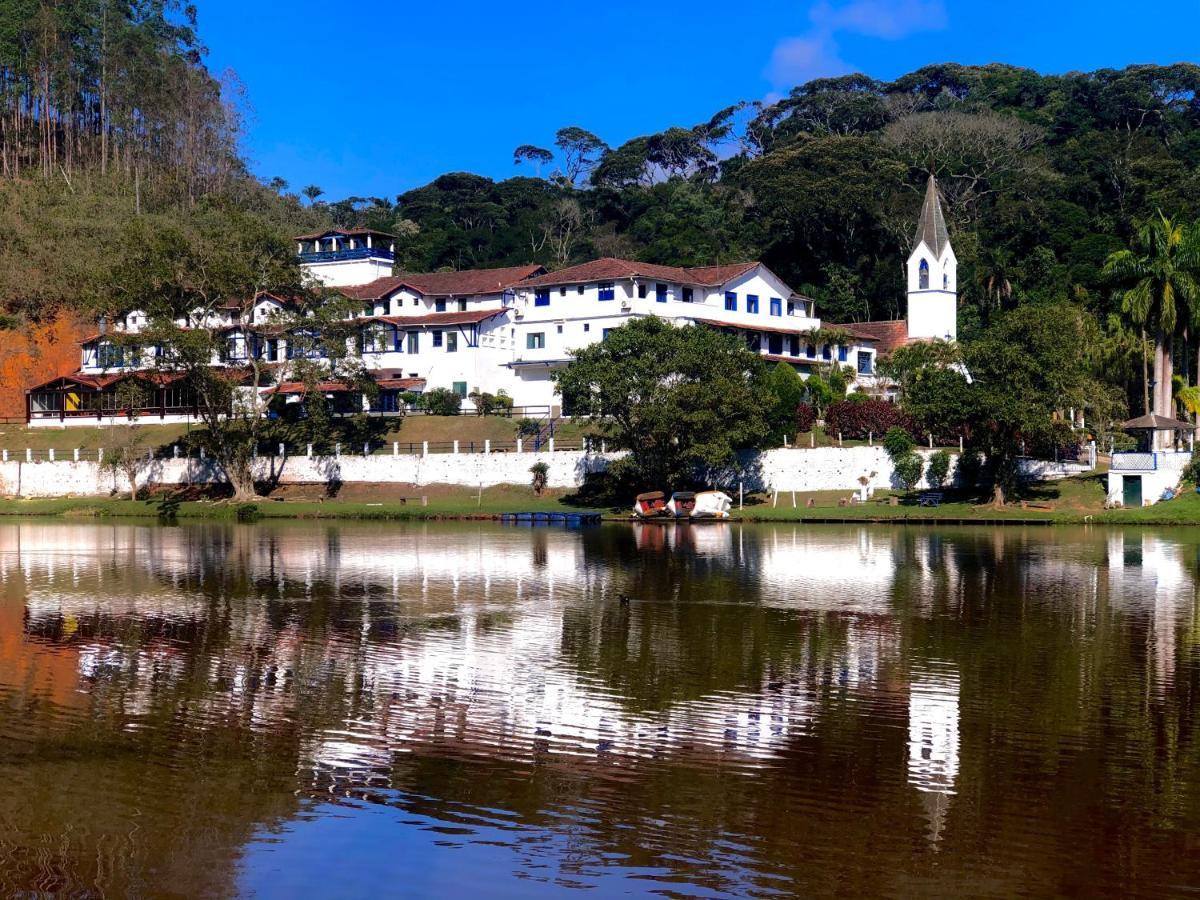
1150 462
339 255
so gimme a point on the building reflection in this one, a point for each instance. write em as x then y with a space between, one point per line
361 654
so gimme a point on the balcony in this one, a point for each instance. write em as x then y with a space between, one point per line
341 255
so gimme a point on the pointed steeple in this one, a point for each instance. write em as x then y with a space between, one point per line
931 227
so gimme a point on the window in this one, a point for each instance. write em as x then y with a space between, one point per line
751 303
775 344
439 305
607 332
794 345
642 289
607 291
368 311
923 276
558 329
864 363
541 297
460 388
272 349
826 352
660 293
945 281
437 339
110 356
376 339
842 354
414 342
462 305
776 306
535 340
579 290
812 350
731 301
451 342
687 295
562 291
587 326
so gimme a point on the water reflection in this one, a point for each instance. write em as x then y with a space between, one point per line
709 709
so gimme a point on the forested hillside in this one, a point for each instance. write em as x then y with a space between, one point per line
114 136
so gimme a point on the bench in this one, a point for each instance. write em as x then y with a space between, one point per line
930 498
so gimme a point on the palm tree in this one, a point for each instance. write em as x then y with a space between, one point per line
312 192
1161 291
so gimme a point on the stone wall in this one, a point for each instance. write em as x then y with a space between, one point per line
789 469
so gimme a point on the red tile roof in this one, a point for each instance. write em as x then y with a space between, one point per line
851 330
445 284
610 268
100 382
472 317
887 334
334 387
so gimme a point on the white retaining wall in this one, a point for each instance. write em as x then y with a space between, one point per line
790 469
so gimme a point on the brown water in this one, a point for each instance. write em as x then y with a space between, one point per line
363 709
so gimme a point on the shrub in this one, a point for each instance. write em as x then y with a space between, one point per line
440 402
898 443
856 421
970 468
498 404
908 470
540 472
939 468
1191 472
806 416
528 427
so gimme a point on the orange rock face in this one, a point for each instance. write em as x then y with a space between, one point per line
36 354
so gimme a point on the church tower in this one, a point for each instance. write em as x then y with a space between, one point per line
932 275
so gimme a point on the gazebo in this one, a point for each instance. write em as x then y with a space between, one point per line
1147 429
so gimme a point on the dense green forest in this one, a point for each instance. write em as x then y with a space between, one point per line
114 132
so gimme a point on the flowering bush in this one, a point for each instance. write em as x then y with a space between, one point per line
855 421
805 417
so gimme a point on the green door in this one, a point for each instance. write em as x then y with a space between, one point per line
1133 491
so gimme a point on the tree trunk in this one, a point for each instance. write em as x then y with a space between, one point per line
1146 410
997 494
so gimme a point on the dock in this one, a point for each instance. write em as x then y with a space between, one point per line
569 519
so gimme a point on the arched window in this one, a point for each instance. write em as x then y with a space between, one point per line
923 276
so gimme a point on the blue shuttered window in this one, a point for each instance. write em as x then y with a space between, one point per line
660 293
731 301
842 354
607 292
541 297
776 306
752 303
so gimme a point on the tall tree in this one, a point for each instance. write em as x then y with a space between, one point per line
538 156
1160 292
581 151
675 397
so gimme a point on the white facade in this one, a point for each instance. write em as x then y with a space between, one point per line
338 258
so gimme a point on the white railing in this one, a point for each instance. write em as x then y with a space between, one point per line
1150 462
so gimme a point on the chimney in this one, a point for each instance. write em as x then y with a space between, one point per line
103 325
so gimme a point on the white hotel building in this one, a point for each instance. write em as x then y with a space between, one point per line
508 329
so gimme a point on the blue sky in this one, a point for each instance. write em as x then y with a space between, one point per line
376 98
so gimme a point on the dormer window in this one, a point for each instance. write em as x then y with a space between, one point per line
923 276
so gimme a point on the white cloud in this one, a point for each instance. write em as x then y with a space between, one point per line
801 59
816 54
888 19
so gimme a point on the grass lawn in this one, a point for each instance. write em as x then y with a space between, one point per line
411 430
442 502
1070 501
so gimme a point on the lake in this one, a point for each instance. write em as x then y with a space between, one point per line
344 710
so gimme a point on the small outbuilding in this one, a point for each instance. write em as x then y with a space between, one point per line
1146 475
